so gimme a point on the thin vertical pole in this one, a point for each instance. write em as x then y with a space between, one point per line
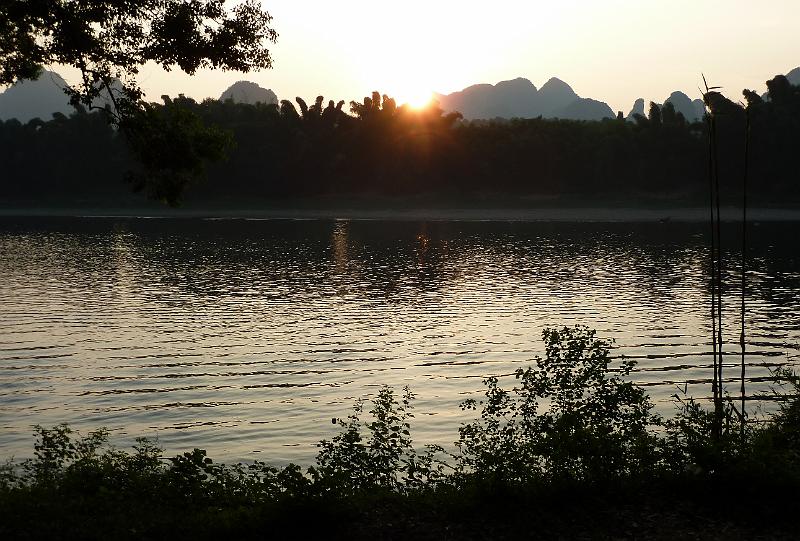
716 262
710 124
719 274
744 251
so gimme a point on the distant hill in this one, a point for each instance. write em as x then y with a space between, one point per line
638 109
586 109
519 98
516 98
248 92
555 96
41 98
44 96
507 99
691 110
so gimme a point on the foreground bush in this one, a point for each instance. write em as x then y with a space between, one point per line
573 433
570 418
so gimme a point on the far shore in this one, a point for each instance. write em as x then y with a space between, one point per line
542 214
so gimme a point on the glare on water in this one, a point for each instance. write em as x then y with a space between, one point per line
246 337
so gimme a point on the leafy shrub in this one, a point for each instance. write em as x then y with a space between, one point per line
384 457
570 417
773 450
786 424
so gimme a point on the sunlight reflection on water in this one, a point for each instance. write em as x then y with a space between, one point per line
246 338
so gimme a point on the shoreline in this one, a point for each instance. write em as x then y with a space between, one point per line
539 214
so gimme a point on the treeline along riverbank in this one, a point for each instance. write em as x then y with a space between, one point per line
374 148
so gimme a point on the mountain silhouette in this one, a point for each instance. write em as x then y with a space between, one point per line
519 98
556 95
43 97
248 92
638 109
506 99
586 109
691 110
516 98
38 98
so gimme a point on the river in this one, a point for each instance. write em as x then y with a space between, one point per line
246 337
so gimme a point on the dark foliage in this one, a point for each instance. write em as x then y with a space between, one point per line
574 443
380 149
569 419
109 40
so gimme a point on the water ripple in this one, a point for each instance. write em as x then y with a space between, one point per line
249 336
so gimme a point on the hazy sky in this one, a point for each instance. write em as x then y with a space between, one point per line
611 50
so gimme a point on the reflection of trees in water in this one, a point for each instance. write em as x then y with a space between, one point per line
386 261
386 258
64 253
774 278
593 255
176 262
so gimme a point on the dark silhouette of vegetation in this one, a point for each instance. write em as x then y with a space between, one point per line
380 149
573 440
108 41
569 418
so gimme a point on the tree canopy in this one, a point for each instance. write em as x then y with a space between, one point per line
109 40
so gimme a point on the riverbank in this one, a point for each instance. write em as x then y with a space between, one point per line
540 214
590 461
141 497
429 207
665 511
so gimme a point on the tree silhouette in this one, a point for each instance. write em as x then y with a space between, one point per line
654 115
108 41
307 148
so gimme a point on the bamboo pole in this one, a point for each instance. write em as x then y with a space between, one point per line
713 258
719 273
744 257
716 262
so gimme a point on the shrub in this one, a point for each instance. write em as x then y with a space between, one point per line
383 458
571 417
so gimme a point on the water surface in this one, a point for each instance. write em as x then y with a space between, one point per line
246 337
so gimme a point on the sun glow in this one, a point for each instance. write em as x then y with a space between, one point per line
405 67
408 84
415 98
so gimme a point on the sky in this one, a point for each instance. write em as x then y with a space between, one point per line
611 50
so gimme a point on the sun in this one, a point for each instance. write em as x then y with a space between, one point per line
416 94
416 99
409 78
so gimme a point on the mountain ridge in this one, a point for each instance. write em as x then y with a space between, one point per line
250 93
519 98
44 97
26 100
512 98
